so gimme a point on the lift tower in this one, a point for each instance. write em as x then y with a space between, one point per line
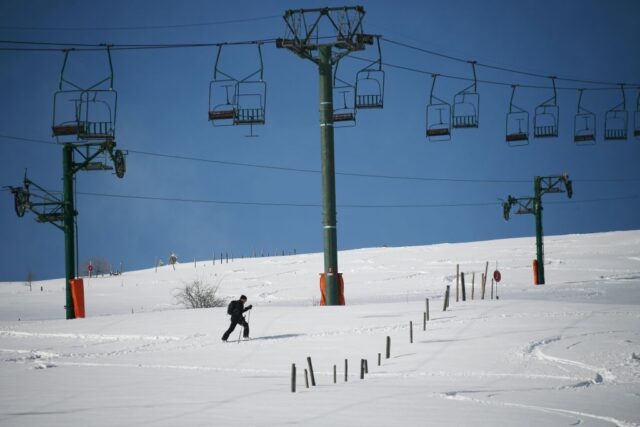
533 205
84 124
325 36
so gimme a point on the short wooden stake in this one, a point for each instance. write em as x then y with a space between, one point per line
388 347
361 369
346 370
313 378
491 288
464 288
483 284
473 284
457 281
379 359
411 331
427 308
306 378
424 321
366 366
446 299
335 374
293 378
485 277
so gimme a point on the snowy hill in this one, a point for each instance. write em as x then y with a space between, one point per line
565 353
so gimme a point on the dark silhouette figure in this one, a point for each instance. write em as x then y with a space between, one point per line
236 309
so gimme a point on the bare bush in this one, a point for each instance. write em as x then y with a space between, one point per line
198 294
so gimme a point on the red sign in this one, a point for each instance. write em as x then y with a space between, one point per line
90 268
497 276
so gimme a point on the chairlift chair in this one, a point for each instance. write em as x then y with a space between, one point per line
91 118
345 115
66 113
584 125
250 107
369 92
546 118
616 121
222 102
344 95
88 113
517 123
438 117
466 105
97 109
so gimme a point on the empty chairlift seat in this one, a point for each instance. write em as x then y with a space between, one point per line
545 121
369 89
584 125
546 118
466 105
616 120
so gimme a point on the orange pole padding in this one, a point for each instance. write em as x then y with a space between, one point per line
323 299
535 272
77 293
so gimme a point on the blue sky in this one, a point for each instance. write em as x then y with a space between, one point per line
162 109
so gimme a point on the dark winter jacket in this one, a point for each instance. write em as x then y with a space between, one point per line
238 309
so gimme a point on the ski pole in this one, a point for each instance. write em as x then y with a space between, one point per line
249 318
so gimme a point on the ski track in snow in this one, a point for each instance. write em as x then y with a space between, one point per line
563 412
601 375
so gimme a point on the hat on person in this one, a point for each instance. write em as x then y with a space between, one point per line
243 297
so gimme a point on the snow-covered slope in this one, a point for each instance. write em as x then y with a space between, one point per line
560 354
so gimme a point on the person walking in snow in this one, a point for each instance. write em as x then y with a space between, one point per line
236 309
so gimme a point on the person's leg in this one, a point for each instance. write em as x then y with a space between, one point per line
245 325
231 328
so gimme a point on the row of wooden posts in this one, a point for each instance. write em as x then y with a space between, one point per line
364 364
364 369
461 289
224 258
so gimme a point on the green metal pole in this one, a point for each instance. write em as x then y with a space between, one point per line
328 177
69 213
538 213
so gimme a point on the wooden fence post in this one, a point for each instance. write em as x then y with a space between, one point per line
313 378
457 281
335 374
306 378
464 288
446 299
346 370
411 331
486 271
473 284
424 321
379 358
361 369
293 378
482 282
427 308
388 347
491 288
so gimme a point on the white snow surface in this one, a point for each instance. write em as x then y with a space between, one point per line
566 353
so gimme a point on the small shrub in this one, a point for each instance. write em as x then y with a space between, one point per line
198 294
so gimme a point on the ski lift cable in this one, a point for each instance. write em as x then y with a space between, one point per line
147 27
315 171
498 68
86 47
491 82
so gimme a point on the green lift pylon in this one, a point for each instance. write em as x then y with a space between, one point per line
533 205
326 50
87 130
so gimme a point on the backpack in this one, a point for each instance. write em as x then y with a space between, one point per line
231 307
